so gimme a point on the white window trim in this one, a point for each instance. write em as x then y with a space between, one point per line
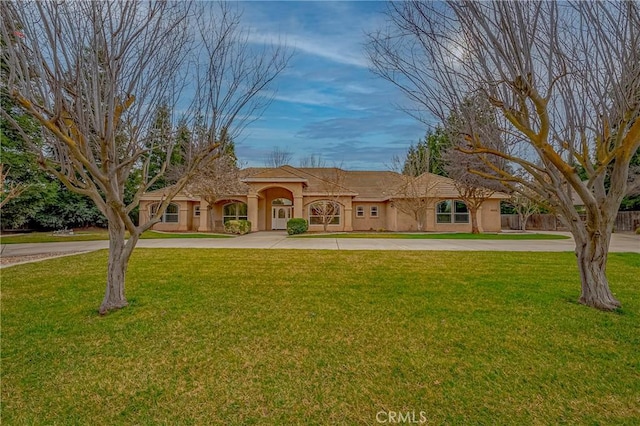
338 216
166 214
452 214
196 211
359 211
374 209
236 216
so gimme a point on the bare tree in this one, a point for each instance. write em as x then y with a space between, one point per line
525 204
93 73
313 161
415 196
564 78
473 196
10 190
278 157
417 191
219 180
475 177
473 189
332 185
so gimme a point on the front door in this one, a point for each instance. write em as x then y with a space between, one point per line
279 217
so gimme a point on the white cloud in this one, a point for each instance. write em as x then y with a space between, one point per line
308 98
326 48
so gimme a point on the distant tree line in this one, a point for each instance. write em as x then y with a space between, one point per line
44 203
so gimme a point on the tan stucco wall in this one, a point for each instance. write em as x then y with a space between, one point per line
369 223
185 216
491 216
406 222
488 220
389 218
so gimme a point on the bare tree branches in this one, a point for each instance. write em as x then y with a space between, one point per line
10 190
564 83
93 73
313 161
278 157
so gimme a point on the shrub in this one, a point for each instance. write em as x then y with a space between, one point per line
638 230
297 226
239 227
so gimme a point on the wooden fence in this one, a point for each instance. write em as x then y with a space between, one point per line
625 221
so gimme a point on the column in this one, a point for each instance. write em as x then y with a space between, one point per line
297 207
204 217
252 211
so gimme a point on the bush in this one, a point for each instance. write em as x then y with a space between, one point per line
239 227
297 226
638 231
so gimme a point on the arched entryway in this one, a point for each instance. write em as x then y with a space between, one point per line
276 206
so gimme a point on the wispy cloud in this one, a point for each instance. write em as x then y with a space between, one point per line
327 102
358 127
308 97
326 48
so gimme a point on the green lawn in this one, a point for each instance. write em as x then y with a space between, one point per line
319 337
93 235
439 236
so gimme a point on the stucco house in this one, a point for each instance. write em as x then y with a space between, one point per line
362 200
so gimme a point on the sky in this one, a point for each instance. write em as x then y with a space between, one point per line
327 102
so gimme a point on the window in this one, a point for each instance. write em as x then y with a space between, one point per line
281 202
451 211
374 211
461 212
359 211
234 211
443 212
324 210
196 211
171 214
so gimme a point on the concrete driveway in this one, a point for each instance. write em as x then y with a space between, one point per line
280 240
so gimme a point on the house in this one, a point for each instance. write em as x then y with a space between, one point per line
360 201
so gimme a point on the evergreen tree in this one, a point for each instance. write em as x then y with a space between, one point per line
427 154
20 164
158 141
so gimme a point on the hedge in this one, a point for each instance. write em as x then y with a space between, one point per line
297 226
239 227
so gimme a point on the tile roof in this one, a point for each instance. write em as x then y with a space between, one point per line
363 185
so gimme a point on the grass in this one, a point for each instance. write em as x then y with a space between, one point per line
439 236
94 235
319 337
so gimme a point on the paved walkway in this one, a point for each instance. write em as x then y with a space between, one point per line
279 240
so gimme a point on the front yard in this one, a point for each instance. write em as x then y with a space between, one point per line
95 235
438 236
319 337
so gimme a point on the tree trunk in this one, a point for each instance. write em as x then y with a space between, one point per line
591 251
474 221
416 216
211 222
117 267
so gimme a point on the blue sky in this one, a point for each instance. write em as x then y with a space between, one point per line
327 102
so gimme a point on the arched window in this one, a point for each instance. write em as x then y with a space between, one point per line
281 202
234 211
452 211
324 211
171 214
